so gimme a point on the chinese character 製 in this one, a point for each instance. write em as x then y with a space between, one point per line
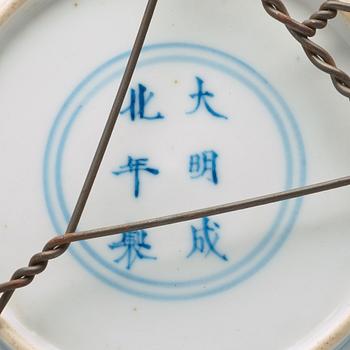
205 239
202 164
133 243
135 167
139 100
201 98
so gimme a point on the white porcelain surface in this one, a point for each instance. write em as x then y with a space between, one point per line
269 278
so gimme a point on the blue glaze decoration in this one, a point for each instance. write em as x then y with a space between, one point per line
138 103
135 166
273 238
133 243
205 239
204 163
201 98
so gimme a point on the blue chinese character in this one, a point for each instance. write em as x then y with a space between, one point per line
206 238
138 102
133 243
202 164
135 166
201 98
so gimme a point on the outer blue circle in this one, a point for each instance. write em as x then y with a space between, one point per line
283 208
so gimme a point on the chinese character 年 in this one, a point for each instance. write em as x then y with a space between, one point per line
135 167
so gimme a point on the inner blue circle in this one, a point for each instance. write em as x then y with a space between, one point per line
190 59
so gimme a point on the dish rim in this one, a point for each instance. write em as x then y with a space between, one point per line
335 338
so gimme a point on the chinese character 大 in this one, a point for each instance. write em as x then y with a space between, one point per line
201 98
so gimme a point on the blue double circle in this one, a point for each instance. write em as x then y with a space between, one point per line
272 240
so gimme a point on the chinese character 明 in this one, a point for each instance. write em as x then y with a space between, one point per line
201 97
133 243
135 167
202 164
205 239
139 100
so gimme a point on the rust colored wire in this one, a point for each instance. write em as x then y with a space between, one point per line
39 262
301 31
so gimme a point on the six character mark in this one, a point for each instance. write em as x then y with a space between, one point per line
204 238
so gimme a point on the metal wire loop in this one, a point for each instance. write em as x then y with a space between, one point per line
302 31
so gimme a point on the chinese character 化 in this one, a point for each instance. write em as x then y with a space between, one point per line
205 239
202 164
201 97
133 244
135 167
139 100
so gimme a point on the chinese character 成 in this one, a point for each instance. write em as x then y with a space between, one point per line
205 239
202 164
135 167
133 243
139 100
201 98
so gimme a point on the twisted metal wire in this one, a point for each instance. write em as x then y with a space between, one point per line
57 246
301 31
39 262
